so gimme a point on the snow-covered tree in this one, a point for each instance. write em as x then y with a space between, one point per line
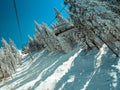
9 58
4 69
66 47
31 44
94 21
15 52
47 37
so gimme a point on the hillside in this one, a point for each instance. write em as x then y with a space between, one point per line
78 70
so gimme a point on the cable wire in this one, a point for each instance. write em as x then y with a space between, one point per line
17 19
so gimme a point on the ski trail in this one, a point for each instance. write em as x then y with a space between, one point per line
71 79
102 52
97 64
87 83
32 83
51 81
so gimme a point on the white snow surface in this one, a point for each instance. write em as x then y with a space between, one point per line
30 84
98 63
70 80
73 71
115 78
117 66
51 81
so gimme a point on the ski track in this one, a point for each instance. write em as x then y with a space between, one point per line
32 83
98 62
71 79
26 65
51 81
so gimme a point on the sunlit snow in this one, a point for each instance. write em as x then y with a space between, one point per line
60 71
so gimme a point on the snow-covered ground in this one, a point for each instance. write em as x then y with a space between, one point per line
77 70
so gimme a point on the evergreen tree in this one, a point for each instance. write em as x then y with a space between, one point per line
15 52
95 20
66 47
7 60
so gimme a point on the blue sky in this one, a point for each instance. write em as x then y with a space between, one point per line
28 11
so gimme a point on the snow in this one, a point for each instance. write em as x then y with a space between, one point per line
76 70
87 83
51 81
102 51
70 80
117 66
97 64
115 78
30 84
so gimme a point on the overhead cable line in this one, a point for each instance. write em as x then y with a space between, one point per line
17 19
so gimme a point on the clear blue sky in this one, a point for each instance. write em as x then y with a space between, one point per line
28 11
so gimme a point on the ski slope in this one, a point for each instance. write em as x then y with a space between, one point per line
77 70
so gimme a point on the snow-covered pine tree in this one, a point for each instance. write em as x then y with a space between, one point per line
47 37
42 36
114 5
63 27
66 47
38 37
8 59
31 44
51 39
95 21
3 66
15 52
60 18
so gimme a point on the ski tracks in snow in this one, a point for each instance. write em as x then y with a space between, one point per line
71 79
51 81
32 83
103 51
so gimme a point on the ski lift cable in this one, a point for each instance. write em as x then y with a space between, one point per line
17 19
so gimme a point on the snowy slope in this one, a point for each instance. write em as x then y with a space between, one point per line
78 70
